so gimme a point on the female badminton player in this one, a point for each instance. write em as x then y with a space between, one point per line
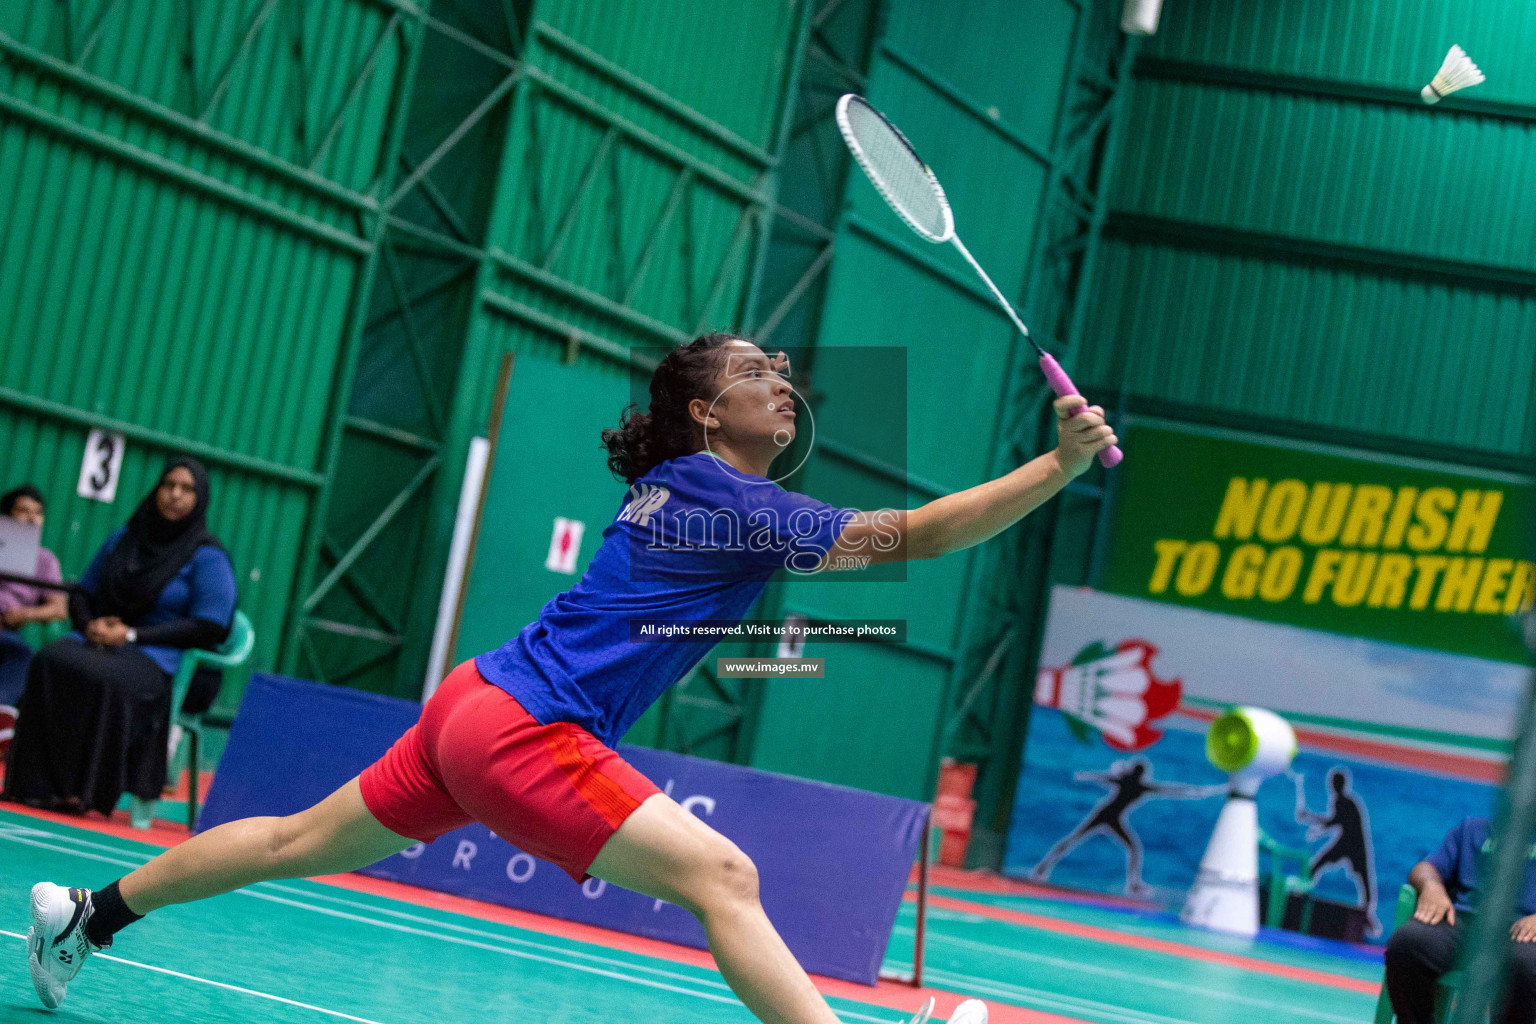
521 738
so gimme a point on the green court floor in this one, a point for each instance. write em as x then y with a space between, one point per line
1156 926
306 952
1093 981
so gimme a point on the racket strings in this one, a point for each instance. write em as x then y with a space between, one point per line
901 175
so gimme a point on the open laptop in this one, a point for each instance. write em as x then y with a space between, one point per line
19 543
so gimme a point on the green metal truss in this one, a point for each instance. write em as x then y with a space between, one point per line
366 576
155 95
704 714
444 287
990 710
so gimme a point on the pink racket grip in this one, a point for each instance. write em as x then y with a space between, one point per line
1063 386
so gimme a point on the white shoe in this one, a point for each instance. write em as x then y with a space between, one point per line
972 1011
56 942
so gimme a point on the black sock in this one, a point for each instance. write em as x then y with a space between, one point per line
109 915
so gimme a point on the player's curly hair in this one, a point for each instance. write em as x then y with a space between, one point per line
644 440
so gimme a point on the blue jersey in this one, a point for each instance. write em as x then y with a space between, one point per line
695 538
204 588
1460 862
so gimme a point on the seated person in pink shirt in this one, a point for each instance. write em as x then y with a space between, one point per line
21 604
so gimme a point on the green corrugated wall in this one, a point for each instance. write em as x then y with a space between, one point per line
1298 243
198 195
631 215
181 246
1294 243
370 583
979 93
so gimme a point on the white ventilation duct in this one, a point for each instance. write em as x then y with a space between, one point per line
1140 17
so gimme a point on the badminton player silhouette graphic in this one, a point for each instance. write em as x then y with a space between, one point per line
521 738
1350 846
1130 783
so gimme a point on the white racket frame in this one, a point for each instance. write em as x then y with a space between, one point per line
949 235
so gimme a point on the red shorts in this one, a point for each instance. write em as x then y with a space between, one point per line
553 790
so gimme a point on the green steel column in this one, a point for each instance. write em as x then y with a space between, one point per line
358 316
1115 133
1030 549
466 406
771 605
790 92
1019 368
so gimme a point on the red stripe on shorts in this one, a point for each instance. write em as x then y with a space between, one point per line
605 795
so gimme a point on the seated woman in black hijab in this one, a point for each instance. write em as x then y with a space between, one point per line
95 713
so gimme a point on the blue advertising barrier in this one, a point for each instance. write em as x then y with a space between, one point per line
833 861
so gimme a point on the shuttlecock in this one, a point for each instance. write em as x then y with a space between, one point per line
1458 72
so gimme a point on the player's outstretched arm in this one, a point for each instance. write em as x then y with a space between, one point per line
966 518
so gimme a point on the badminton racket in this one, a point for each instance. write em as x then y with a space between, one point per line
912 190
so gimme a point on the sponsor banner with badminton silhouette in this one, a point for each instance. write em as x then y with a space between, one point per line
1396 744
1405 551
833 861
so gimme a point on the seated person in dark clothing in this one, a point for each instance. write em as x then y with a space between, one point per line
1425 946
21 603
94 716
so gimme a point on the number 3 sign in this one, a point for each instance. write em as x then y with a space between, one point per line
99 469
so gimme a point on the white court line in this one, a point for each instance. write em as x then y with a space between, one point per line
1038 999
22 834
218 984
727 999
1078 966
510 939
1076 1005
414 918
503 950
27 830
408 930
15 836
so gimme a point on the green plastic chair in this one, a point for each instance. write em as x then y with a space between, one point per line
234 652
1450 981
40 634
1282 885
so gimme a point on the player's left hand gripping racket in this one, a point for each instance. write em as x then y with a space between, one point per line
913 191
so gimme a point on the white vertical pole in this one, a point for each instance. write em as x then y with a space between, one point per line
458 557
1139 17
